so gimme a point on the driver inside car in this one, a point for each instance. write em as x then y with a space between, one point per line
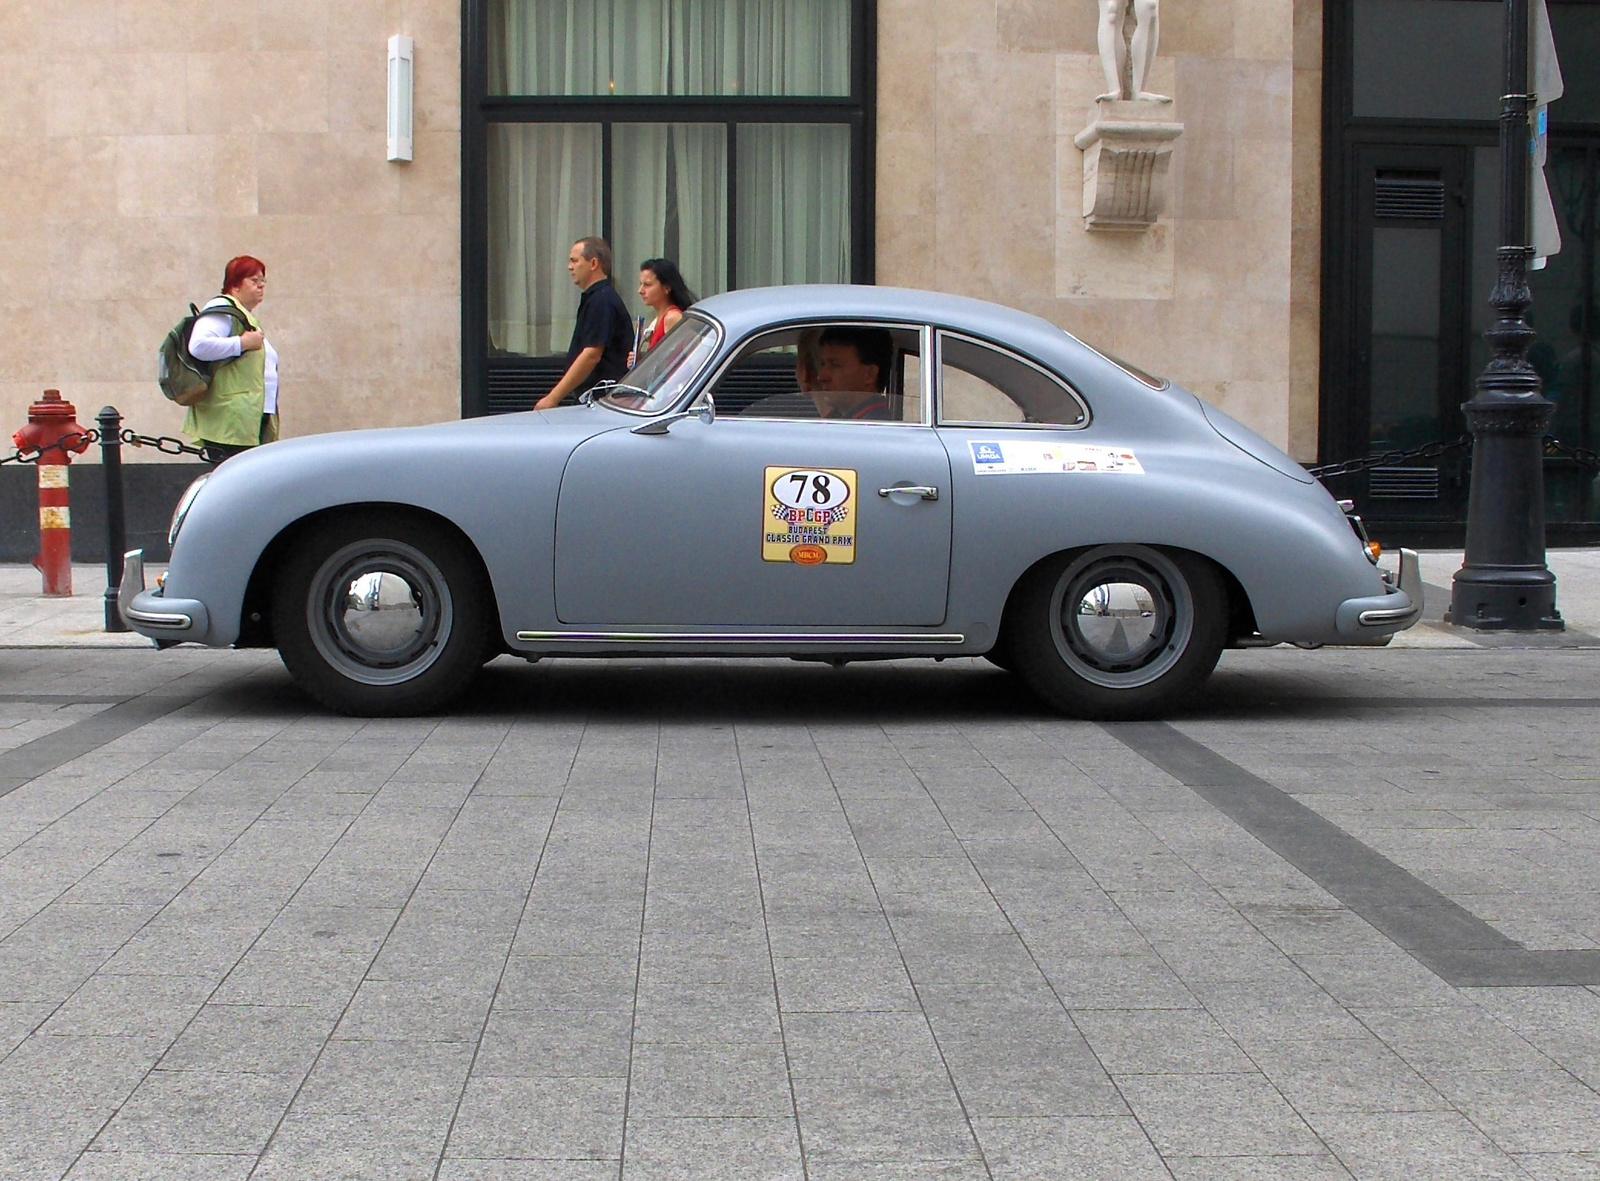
852 376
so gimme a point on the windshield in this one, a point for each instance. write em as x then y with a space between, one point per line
656 382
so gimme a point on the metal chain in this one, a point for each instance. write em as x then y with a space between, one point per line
1388 458
165 444
1583 456
32 454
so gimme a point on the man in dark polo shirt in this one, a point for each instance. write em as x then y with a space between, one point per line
603 335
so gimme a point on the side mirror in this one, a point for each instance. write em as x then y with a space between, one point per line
706 413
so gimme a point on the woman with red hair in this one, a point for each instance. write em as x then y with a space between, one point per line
241 409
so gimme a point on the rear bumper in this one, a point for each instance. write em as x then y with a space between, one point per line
1374 618
151 613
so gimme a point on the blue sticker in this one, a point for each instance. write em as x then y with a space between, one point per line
986 453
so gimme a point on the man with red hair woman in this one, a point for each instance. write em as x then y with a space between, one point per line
241 409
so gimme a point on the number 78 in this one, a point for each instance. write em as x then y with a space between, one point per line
821 486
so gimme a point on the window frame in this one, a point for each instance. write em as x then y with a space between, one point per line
924 333
857 110
966 424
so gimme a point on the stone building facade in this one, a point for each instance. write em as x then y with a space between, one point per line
980 188
145 142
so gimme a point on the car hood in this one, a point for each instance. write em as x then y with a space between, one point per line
566 426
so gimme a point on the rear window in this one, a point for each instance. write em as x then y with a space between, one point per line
1133 371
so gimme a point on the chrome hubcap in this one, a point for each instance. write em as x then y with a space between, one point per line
379 611
1121 618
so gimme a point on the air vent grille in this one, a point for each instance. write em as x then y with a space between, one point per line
518 386
1404 483
1409 198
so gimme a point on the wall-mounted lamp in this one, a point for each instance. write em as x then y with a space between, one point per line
400 92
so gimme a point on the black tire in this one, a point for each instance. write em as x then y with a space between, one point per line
345 650
1073 645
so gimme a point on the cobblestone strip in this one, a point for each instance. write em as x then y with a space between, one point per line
1444 936
27 762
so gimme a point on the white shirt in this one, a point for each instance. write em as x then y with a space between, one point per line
210 341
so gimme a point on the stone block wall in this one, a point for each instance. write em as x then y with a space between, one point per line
145 142
980 187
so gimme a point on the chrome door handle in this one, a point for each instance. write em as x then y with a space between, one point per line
921 490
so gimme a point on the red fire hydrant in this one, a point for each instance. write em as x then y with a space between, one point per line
53 431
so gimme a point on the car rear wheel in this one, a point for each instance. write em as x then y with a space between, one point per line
381 615
1119 631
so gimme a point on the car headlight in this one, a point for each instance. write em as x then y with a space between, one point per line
185 503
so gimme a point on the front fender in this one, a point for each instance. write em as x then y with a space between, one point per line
494 479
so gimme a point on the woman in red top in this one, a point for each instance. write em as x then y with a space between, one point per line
664 292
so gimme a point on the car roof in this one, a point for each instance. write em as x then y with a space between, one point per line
752 308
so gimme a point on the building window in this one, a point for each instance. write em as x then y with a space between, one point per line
733 136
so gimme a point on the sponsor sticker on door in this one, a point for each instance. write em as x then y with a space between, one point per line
1028 457
810 516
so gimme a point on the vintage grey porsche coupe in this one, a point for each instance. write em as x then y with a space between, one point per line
837 473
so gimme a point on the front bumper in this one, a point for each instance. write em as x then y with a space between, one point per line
151 613
1374 618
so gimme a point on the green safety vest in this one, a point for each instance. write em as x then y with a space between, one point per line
231 413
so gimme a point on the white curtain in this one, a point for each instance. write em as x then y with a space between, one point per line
701 155
578 47
544 194
653 47
669 184
794 203
760 47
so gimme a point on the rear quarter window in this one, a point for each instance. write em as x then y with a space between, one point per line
981 385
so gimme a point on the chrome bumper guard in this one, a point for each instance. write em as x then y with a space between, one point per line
1367 619
150 612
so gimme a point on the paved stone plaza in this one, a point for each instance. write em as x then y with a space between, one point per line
772 920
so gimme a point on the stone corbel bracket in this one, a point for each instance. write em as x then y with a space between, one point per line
1127 153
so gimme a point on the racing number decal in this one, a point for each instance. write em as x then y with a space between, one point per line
810 517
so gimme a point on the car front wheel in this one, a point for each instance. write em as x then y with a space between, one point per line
381 615
1118 631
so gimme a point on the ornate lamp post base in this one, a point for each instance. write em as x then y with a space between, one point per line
1505 598
1503 583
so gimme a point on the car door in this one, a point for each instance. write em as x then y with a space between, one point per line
753 523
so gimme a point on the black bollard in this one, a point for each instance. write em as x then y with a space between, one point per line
110 424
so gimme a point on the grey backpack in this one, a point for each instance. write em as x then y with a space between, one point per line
183 377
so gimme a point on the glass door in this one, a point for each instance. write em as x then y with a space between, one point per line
1411 369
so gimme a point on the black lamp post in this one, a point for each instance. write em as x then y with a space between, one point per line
1503 583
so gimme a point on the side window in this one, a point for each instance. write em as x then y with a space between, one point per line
982 386
835 372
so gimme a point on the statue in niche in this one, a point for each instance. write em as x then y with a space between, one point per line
1118 55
